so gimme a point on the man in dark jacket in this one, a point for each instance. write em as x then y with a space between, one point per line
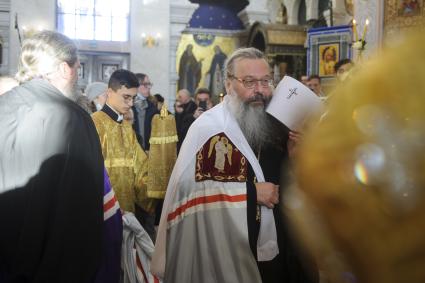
185 118
144 110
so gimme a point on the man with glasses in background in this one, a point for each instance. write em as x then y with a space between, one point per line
144 110
224 185
125 161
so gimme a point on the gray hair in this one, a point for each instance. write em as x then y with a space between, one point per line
93 90
185 92
241 53
42 54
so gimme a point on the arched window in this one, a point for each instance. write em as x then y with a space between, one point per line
106 20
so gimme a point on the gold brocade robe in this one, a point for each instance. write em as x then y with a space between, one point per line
162 154
125 162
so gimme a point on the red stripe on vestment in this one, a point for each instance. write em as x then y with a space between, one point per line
205 200
110 204
140 267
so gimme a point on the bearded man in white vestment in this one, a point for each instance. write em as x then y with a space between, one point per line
205 233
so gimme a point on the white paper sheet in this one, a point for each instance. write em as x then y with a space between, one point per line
293 103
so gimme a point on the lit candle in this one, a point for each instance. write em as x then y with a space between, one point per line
365 29
355 30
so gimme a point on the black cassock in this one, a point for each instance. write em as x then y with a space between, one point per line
51 188
290 265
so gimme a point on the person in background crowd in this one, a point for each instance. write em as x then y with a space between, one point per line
83 102
186 116
203 98
96 93
342 67
314 83
159 101
203 103
144 110
178 107
304 79
178 110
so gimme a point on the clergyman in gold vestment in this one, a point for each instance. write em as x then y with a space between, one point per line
125 161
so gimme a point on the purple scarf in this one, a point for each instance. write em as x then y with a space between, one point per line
109 271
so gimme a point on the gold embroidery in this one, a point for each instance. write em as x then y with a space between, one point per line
162 153
119 162
125 162
258 214
163 140
214 161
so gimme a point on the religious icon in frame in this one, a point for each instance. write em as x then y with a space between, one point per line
328 57
401 16
409 7
326 47
107 70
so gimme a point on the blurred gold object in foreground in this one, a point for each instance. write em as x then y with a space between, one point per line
360 205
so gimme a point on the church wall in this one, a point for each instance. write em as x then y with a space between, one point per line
151 17
400 17
169 19
147 16
4 35
374 11
31 14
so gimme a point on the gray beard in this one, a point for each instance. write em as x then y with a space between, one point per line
71 92
252 120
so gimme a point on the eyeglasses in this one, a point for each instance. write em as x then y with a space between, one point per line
147 84
251 82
